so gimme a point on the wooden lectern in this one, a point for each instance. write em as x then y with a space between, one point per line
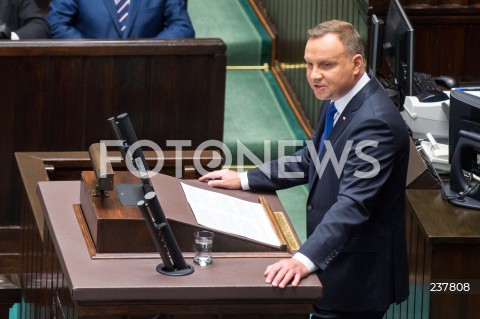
109 221
86 283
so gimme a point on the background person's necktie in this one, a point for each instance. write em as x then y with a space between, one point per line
329 119
122 12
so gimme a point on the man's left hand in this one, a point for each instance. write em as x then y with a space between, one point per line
285 271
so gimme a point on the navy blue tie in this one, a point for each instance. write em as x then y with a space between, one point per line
122 11
329 119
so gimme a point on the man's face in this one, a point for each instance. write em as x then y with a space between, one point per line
331 73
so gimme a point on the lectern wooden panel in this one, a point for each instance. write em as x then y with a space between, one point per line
108 220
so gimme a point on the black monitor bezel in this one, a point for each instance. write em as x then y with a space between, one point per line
375 48
464 114
398 48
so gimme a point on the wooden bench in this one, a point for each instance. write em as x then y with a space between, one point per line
58 95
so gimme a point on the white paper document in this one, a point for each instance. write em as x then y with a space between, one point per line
231 215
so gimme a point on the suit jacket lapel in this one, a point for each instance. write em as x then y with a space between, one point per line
132 16
112 10
316 139
344 119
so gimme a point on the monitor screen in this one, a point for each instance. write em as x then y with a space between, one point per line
464 115
375 48
398 48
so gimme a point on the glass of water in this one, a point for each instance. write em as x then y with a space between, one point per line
203 247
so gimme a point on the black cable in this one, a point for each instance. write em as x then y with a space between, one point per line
435 174
471 188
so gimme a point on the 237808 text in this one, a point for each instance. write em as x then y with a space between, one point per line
450 287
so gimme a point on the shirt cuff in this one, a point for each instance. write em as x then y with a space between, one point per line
305 261
14 36
244 181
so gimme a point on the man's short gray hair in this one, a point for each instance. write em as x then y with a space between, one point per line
346 33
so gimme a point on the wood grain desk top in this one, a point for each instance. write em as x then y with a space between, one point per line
443 222
136 279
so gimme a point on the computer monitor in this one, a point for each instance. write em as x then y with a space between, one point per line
464 114
398 48
464 150
375 48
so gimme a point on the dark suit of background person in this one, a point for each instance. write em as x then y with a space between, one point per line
24 18
83 19
355 224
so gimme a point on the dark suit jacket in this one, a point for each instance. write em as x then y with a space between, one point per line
356 225
25 18
77 19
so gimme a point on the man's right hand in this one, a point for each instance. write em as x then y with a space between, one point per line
223 178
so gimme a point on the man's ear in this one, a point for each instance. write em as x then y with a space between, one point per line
358 62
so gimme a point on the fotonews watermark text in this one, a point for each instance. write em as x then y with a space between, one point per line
337 158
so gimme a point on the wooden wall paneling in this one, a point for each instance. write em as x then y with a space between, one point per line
401 311
10 247
434 43
413 261
419 271
10 285
45 292
423 271
445 44
470 270
419 3
7 125
28 266
420 265
416 270
455 259
48 279
452 3
471 70
123 87
447 60
186 108
447 304
58 95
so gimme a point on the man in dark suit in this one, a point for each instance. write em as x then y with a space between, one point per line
22 19
356 204
119 19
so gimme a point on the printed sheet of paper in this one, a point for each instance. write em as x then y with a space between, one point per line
231 215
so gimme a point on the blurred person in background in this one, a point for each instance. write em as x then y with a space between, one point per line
22 19
119 19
